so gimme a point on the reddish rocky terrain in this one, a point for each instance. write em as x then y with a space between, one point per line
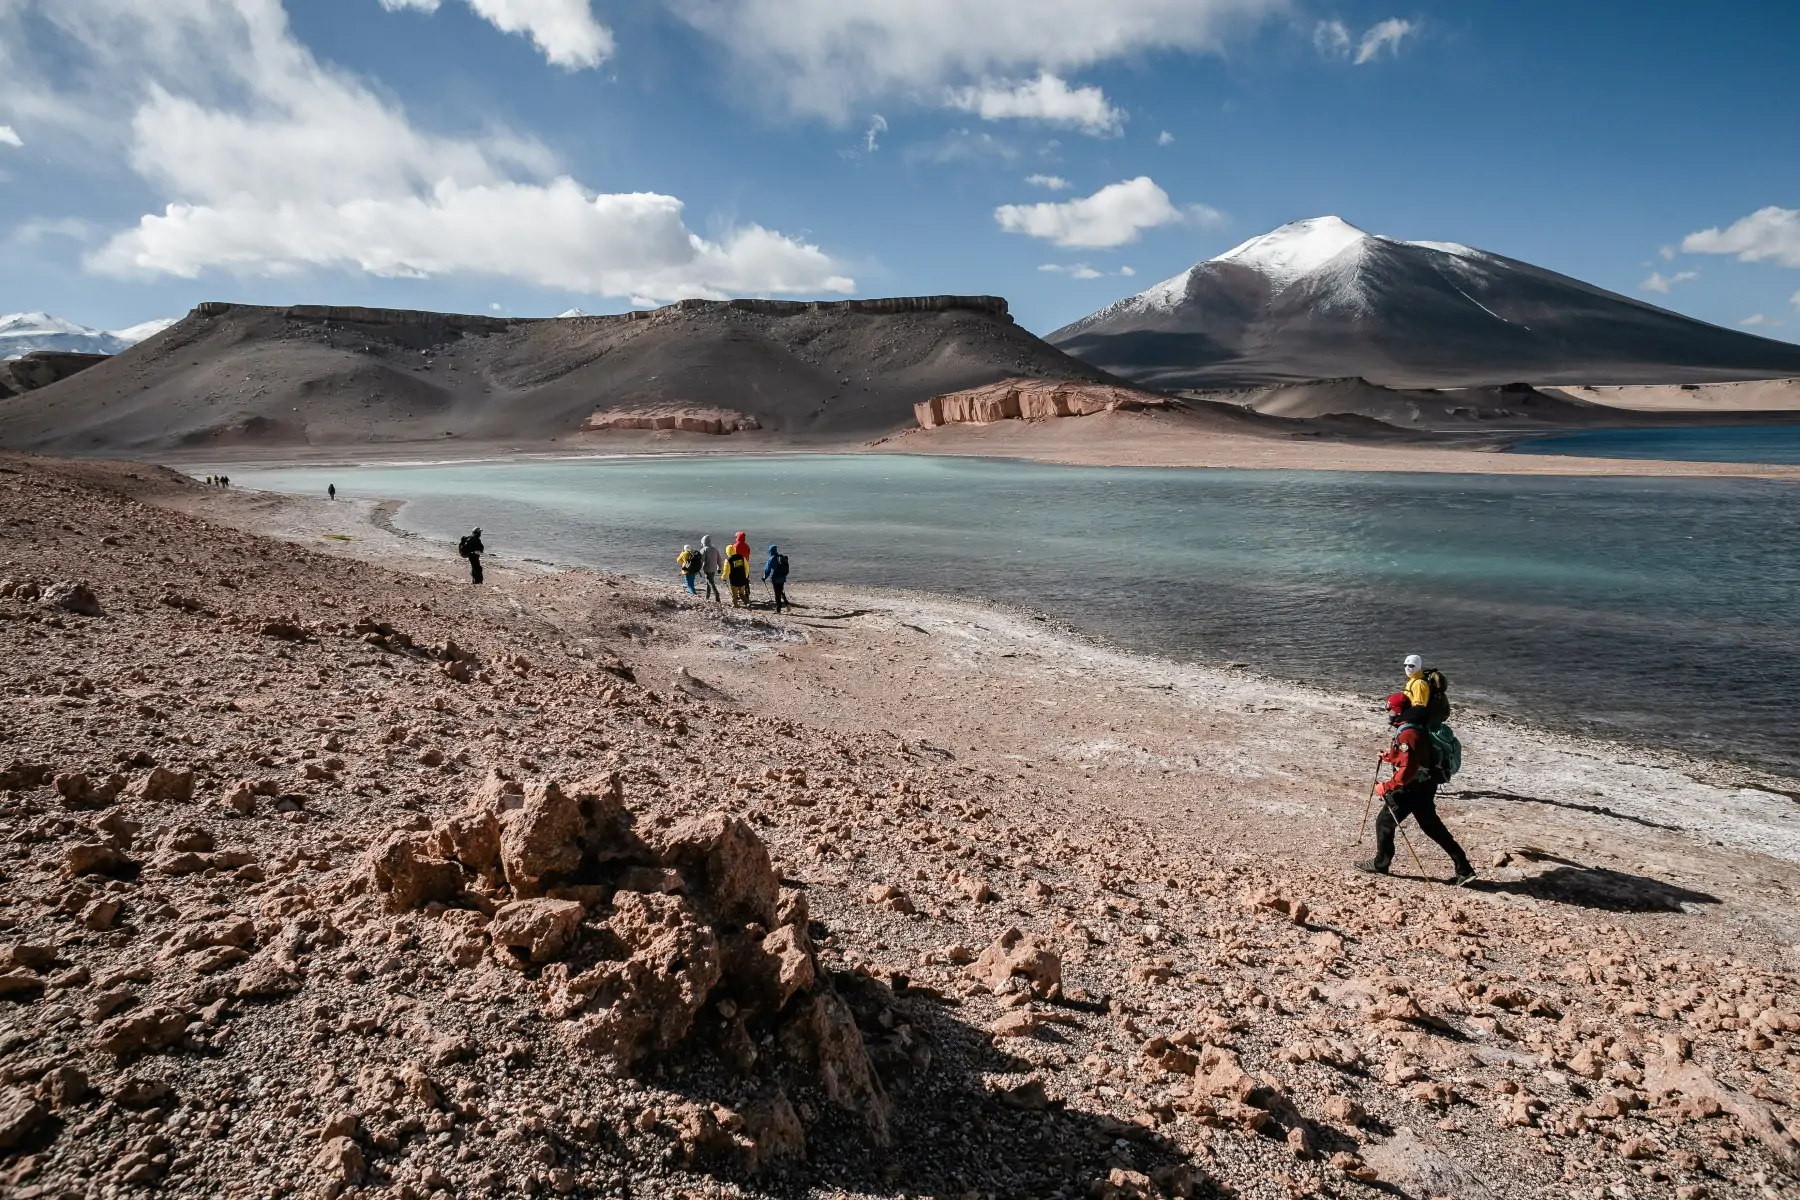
321 876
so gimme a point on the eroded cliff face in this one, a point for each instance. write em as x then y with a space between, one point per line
672 417
1031 400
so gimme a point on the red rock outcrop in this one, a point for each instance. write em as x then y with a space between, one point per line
1031 400
680 418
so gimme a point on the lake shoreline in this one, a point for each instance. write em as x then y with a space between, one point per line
370 529
1101 440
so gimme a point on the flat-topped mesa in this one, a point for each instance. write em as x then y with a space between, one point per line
354 315
1033 400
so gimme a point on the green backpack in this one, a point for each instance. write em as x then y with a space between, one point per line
1446 753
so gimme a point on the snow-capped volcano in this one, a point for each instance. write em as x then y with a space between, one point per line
22 333
1320 299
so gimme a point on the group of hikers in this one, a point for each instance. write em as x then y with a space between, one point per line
734 564
218 481
1424 753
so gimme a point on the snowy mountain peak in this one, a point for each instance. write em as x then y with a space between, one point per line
28 323
573 312
22 333
1298 249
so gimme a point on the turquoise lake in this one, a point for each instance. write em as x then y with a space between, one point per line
1660 611
1718 443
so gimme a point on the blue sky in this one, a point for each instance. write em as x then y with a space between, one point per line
526 156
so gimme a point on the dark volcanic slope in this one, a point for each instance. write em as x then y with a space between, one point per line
1321 299
352 376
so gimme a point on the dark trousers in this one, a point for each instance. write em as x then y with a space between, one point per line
474 568
1418 801
779 587
712 586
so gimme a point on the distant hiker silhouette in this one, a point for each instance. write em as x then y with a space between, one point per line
737 574
775 572
331 490
690 562
712 562
470 547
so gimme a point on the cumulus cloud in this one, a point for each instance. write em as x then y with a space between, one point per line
1658 282
1757 320
1047 98
1127 272
822 57
1330 38
1333 39
271 163
1054 183
1165 138
564 30
1769 234
9 138
1385 35
1113 216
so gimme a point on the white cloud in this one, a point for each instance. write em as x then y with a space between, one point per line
1073 271
822 57
1113 216
1385 35
1332 39
1047 98
1127 272
1165 138
555 235
1054 183
1795 299
271 163
877 126
9 138
1667 253
1758 319
1771 234
564 30
1658 282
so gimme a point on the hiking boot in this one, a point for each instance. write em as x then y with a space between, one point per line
1370 866
1466 875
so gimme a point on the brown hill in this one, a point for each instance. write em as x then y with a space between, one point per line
305 375
1497 409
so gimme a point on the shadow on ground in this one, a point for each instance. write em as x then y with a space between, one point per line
1599 810
1599 888
966 1116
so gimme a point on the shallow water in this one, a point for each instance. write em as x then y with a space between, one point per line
1717 443
1659 610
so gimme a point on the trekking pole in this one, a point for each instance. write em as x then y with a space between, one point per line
1370 802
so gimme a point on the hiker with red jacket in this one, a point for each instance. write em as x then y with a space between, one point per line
1411 791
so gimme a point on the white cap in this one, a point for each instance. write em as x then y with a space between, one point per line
1414 663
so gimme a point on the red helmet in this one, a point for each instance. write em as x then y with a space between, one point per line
1396 702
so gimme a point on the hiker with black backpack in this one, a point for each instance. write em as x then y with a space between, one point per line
689 561
470 547
775 573
1422 758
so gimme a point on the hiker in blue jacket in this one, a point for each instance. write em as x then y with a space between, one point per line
775 573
